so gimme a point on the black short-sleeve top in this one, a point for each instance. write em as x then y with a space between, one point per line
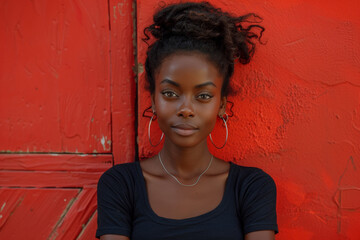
248 204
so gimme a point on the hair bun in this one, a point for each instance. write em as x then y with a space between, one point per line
205 22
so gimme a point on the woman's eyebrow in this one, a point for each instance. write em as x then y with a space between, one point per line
166 80
170 82
205 84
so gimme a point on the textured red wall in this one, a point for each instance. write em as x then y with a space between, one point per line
297 112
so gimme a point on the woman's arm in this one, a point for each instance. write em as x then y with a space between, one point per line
260 235
113 237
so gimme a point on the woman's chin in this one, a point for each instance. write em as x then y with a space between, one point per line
185 141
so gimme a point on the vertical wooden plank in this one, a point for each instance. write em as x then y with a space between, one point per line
122 80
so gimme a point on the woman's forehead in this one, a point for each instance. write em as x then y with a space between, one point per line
187 66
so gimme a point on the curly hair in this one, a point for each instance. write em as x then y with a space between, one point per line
200 27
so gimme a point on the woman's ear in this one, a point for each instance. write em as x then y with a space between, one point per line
222 109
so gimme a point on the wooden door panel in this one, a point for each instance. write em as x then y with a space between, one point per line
59 201
55 76
32 213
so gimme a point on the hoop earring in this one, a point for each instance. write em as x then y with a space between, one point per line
162 135
227 133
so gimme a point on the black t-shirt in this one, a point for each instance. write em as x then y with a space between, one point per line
248 204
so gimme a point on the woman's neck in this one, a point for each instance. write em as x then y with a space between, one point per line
185 162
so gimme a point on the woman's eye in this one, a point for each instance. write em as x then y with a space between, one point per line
169 94
204 96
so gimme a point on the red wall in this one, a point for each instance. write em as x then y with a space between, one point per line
297 112
68 112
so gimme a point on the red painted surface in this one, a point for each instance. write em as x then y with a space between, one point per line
55 76
89 229
32 213
59 213
67 86
77 218
48 179
56 170
67 221
56 162
121 14
296 113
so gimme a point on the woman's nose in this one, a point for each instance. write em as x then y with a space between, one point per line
186 109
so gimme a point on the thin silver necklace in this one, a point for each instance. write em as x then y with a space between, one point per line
177 180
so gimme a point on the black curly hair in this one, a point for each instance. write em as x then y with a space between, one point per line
200 27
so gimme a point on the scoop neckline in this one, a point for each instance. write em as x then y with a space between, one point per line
202 217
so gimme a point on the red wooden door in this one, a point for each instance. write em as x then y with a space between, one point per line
66 112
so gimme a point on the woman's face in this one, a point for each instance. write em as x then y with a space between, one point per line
187 98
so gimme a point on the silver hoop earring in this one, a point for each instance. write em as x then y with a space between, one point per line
227 133
162 135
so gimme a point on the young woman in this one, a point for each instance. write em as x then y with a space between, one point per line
184 192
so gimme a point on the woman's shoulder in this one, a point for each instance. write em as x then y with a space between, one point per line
124 172
250 175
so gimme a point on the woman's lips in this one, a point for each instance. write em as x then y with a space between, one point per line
184 129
